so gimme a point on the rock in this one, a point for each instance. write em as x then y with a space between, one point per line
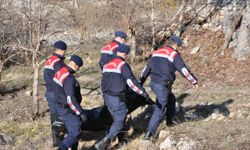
5 139
210 1
70 37
197 27
195 50
146 144
231 115
184 144
204 13
206 25
191 116
207 119
245 114
29 93
240 115
167 144
214 116
185 41
220 117
247 105
243 46
163 134
233 44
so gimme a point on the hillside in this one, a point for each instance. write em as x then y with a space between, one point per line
216 117
210 119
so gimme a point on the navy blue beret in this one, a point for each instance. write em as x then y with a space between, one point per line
60 45
176 39
123 48
121 34
77 60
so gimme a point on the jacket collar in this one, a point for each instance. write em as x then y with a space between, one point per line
70 69
59 56
116 42
171 47
120 57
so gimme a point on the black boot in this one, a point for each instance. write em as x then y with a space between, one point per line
74 147
54 132
103 144
169 122
148 135
122 141
55 138
62 147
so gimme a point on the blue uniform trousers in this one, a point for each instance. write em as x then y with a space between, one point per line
118 111
170 112
162 93
73 126
54 117
51 98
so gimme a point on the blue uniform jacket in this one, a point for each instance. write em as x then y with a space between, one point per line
52 64
162 66
107 53
68 89
117 75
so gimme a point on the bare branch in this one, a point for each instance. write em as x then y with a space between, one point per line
52 34
29 50
8 58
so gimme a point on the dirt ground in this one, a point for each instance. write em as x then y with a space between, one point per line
221 106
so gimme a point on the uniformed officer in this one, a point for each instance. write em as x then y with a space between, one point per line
52 64
161 67
68 102
109 49
117 75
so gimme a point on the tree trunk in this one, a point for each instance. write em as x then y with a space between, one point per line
152 17
133 44
35 89
1 70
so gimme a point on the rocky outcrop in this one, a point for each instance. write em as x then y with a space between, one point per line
230 16
243 45
182 143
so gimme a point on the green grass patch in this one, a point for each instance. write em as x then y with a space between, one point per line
17 129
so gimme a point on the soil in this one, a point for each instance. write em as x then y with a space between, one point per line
222 79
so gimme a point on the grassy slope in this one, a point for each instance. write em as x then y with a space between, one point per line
231 132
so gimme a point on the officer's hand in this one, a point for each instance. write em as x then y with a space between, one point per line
148 99
84 117
195 87
142 80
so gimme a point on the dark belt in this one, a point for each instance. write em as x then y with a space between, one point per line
122 97
66 106
167 84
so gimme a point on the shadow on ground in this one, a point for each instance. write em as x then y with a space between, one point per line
200 111
185 114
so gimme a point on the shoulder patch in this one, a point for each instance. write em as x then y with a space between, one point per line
61 75
109 48
114 66
167 52
51 61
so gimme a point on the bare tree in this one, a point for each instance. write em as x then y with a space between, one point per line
6 55
37 20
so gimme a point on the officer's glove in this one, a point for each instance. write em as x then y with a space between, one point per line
148 99
84 117
142 80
